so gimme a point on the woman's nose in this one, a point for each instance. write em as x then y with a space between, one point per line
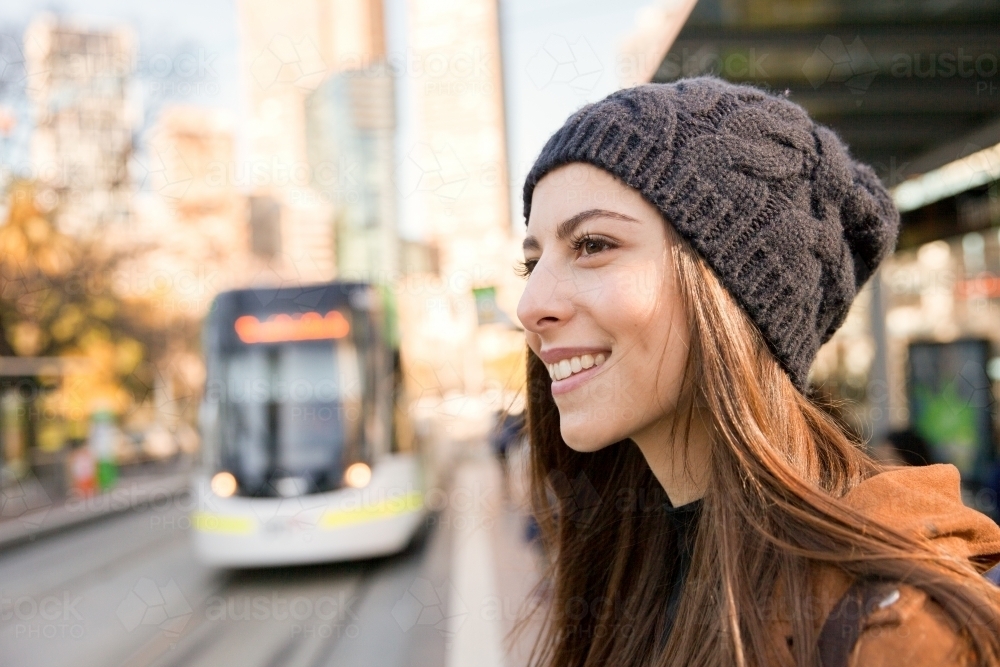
546 300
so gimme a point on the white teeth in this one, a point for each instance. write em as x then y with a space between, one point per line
561 370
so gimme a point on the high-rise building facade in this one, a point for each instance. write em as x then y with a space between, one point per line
454 187
192 218
456 170
319 141
78 80
351 129
288 50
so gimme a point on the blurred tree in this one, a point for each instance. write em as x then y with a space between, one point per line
58 299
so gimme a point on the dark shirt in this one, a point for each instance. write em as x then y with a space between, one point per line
682 521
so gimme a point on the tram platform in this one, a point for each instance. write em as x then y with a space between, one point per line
495 566
28 512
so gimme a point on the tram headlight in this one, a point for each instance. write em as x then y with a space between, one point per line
223 484
357 475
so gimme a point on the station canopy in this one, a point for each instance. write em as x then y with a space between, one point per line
910 86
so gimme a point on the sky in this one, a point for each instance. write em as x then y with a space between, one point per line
188 53
557 56
205 29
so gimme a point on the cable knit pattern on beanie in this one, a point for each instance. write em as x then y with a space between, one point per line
792 226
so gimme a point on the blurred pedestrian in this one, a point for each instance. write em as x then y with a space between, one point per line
689 247
508 429
508 443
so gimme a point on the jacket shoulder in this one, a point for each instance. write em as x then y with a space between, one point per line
908 628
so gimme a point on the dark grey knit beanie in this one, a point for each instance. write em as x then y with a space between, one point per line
791 225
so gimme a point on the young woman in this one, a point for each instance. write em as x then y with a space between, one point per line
689 247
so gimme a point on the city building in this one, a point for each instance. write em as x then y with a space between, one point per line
351 129
453 182
78 80
455 173
191 219
288 50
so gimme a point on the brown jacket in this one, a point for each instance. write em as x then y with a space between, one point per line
911 630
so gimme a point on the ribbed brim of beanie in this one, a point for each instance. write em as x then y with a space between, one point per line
792 226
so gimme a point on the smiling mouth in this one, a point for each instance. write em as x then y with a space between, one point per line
566 368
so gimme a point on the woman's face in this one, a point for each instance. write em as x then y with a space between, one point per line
601 307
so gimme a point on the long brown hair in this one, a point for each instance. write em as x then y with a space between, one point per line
771 513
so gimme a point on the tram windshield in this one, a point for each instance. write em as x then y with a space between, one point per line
290 415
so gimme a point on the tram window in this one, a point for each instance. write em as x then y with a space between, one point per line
291 409
317 410
245 422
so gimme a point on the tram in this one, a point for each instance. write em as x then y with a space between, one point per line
299 462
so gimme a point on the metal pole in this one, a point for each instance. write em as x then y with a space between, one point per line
878 379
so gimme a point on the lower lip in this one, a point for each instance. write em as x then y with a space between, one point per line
573 381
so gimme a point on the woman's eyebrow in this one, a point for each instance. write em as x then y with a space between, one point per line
567 227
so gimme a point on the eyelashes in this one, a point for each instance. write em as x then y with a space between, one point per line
525 267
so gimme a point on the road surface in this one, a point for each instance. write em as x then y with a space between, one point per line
128 591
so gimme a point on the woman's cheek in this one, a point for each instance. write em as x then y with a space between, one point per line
637 287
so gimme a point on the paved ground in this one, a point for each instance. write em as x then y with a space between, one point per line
126 590
27 512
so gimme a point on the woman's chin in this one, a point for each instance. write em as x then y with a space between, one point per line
585 440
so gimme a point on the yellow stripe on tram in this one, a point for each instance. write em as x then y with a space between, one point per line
216 523
411 502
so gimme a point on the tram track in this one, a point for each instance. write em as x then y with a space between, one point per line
300 646
302 616
100 571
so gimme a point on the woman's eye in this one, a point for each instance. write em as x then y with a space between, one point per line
591 245
587 245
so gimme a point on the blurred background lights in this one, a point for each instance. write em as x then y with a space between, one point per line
223 484
993 369
904 321
859 356
973 253
358 475
934 255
